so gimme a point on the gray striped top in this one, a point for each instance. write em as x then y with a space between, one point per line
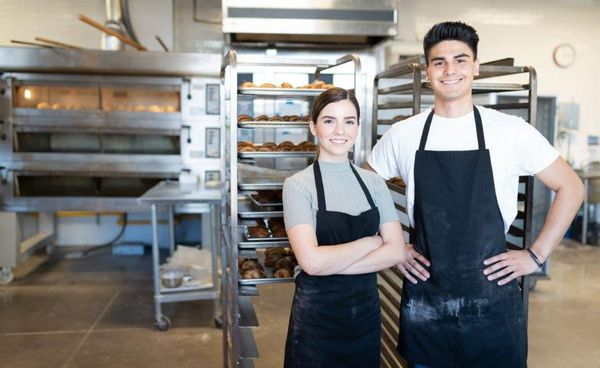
342 193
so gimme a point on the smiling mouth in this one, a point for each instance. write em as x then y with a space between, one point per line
451 82
338 141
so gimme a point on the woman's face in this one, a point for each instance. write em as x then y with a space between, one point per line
336 128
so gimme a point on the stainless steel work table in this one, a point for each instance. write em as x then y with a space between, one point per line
190 198
586 175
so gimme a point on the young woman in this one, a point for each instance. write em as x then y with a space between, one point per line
343 227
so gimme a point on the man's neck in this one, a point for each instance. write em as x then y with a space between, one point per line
453 109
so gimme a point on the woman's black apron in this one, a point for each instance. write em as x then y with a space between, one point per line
457 318
335 320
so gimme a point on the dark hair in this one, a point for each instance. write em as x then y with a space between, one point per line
456 31
331 95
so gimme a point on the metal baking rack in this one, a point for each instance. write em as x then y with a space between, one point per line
238 314
400 92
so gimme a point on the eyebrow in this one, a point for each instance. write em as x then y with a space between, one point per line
345 117
440 58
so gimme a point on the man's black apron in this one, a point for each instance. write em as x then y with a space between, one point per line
335 320
457 318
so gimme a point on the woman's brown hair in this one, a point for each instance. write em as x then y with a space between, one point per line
332 95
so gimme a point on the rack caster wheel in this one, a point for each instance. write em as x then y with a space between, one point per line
163 323
218 321
6 276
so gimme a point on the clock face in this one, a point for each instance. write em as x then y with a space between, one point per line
564 55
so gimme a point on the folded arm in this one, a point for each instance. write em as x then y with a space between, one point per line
330 259
389 254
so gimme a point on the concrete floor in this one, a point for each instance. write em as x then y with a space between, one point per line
98 312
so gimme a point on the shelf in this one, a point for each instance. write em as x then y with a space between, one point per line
247 290
247 314
273 124
260 178
396 105
266 280
478 88
286 154
247 210
281 92
254 244
248 347
246 363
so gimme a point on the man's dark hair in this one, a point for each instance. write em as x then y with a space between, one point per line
450 31
332 95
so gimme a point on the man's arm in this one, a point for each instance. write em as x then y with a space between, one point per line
569 194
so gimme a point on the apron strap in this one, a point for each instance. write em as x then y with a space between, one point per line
425 132
319 185
363 186
321 192
478 128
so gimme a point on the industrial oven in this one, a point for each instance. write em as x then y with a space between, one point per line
94 130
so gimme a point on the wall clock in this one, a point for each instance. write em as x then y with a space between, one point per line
564 55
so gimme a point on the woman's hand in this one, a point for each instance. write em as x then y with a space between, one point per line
410 266
509 266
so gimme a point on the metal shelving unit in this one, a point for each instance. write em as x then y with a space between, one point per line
400 92
239 317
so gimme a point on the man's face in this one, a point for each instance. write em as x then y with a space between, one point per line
451 70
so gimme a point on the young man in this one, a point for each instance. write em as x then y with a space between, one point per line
462 306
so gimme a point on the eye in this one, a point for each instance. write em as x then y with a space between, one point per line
437 63
350 122
461 61
328 121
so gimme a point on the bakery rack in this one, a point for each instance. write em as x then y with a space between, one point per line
243 176
400 92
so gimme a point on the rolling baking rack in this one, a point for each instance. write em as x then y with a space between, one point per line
240 204
400 92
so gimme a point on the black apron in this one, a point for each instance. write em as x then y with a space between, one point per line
335 320
457 318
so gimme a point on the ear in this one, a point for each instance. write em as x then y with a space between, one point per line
313 128
476 69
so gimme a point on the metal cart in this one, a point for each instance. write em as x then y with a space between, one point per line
400 92
238 314
189 198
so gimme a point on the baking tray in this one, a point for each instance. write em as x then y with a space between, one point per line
273 124
246 210
268 239
259 178
283 92
260 243
289 154
260 257
260 204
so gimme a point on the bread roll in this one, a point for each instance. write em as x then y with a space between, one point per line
283 273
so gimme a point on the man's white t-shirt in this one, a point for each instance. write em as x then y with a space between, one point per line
516 149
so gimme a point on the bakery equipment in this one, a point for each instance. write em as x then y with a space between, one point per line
240 212
317 23
93 130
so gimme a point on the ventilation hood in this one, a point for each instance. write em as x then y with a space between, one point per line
333 23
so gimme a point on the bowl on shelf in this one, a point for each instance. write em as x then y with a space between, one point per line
171 278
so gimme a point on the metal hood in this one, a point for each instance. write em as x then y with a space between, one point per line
330 23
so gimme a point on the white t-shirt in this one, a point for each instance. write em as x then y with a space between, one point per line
516 149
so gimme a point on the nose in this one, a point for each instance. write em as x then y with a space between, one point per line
339 128
450 69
